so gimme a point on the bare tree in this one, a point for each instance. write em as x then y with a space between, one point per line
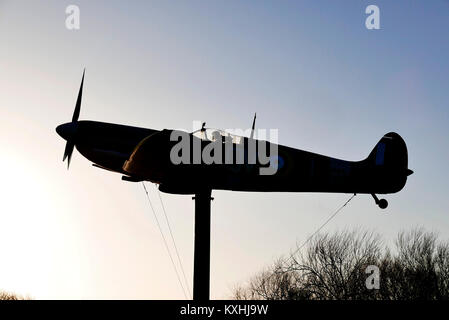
274 283
332 267
4 295
419 270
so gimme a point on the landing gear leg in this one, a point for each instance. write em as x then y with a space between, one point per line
382 203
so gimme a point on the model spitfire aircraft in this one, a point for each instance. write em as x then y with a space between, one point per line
141 154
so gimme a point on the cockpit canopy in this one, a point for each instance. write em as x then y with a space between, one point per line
211 134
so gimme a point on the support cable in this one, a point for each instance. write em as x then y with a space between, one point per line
322 226
174 242
163 238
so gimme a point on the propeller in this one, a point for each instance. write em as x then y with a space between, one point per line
76 113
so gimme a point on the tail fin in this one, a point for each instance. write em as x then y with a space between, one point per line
390 153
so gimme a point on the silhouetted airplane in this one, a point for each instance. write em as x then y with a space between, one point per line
141 154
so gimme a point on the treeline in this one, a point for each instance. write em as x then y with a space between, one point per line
4 295
356 265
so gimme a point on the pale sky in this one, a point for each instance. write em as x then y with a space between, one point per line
308 68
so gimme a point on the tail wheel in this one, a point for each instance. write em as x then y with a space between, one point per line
382 203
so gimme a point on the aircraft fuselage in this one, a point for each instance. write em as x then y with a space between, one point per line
143 154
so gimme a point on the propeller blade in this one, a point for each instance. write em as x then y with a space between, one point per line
68 130
76 113
69 159
68 152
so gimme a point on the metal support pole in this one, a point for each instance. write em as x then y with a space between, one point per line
201 264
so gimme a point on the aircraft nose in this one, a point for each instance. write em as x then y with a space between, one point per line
67 130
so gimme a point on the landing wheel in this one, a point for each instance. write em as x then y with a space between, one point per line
382 203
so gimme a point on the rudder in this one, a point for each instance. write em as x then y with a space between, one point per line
390 153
